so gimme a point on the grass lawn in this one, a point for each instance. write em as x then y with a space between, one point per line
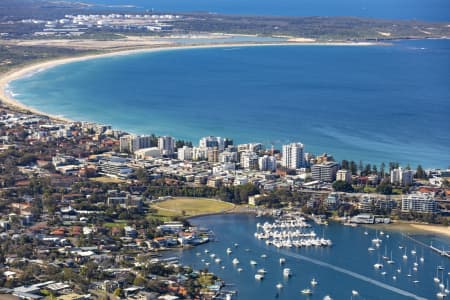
190 207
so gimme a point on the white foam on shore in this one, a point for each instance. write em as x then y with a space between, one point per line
353 274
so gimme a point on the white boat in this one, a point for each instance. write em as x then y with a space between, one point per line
228 297
391 261
198 253
206 251
217 260
212 255
381 233
236 244
404 255
441 295
240 269
366 233
279 286
422 259
378 266
394 277
371 249
436 278
355 293
383 273
413 252
263 255
306 292
253 263
282 260
327 297
235 261
314 282
261 271
229 251
416 281
287 272
399 270
259 276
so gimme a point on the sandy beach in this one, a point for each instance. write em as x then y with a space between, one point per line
17 73
413 228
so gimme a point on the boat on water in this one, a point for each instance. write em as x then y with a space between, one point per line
263 255
282 260
404 255
366 233
235 261
314 282
441 295
240 269
378 266
279 286
371 249
355 293
236 245
229 251
306 292
259 276
327 297
416 281
391 261
218 260
253 263
287 272
394 277
383 273
261 271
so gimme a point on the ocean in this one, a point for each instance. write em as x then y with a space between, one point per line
428 10
370 103
340 269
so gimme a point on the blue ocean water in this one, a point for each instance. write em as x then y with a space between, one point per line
431 10
376 104
329 266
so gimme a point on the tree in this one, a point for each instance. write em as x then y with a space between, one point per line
420 173
342 186
384 188
117 292
382 169
345 164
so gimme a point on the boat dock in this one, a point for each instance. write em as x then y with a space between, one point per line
441 252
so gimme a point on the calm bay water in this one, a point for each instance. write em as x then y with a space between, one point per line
349 253
432 10
377 103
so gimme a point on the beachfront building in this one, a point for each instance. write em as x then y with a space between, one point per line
184 153
130 143
344 175
267 163
152 152
401 176
324 172
249 160
199 153
166 145
293 157
213 141
419 202
227 157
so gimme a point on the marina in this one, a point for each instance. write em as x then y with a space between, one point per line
284 273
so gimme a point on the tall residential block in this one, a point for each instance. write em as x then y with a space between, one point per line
292 157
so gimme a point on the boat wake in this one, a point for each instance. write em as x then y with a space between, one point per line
353 274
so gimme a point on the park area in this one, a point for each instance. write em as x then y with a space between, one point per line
184 206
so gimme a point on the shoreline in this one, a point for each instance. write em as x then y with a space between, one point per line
17 73
408 227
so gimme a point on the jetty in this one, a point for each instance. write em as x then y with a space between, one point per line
441 252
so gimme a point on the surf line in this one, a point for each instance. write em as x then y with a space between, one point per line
353 274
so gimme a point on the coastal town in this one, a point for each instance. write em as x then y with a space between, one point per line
89 211
78 210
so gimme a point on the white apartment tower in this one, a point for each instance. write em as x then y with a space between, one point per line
166 145
293 157
184 153
267 163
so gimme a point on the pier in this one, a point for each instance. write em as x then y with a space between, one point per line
441 252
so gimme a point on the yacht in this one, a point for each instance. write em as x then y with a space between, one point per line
282 260
229 251
217 260
378 266
235 261
306 292
253 263
287 272
314 282
259 276
327 297
240 269
355 293
404 255
263 255
279 286
390 261
261 271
